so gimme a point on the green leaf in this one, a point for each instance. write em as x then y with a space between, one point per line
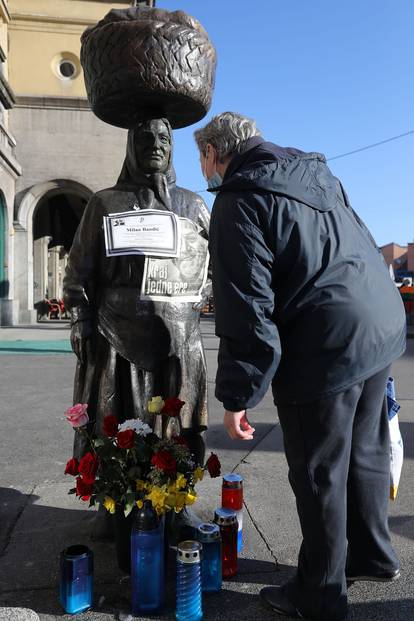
128 508
129 503
72 491
99 442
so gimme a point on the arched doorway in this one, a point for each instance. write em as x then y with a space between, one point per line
46 218
55 221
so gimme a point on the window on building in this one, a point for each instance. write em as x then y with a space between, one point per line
66 66
67 69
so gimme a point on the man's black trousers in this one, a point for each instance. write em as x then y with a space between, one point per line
337 450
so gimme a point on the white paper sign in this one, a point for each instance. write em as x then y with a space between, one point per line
148 231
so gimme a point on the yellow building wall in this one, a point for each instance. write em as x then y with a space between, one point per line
4 21
4 45
41 34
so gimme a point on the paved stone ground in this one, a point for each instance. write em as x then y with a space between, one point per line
38 518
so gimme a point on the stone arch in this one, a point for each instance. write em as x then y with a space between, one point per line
25 207
28 199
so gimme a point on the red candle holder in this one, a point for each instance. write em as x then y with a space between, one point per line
232 492
227 521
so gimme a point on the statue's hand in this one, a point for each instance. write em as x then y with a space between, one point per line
79 348
79 336
205 295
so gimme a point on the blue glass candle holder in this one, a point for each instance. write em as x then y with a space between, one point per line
209 536
76 579
189 603
147 562
239 515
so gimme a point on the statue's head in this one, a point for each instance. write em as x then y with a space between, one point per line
152 141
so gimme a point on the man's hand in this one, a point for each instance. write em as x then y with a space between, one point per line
237 425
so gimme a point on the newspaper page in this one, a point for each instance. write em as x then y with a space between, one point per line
182 278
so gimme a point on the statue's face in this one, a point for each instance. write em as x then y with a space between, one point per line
152 146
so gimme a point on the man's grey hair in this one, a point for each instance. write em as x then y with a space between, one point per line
227 132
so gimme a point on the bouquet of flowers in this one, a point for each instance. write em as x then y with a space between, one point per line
128 463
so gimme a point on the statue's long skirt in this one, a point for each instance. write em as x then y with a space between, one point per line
110 384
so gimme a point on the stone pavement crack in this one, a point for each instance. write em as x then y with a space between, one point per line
12 526
260 533
246 507
254 447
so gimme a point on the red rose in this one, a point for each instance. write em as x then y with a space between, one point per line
110 426
172 406
213 466
83 489
125 439
88 466
72 467
163 460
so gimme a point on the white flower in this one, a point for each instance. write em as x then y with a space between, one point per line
137 425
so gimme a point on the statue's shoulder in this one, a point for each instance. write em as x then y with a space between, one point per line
106 194
191 205
107 198
189 196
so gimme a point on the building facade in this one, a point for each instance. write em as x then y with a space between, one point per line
10 172
401 258
395 255
64 152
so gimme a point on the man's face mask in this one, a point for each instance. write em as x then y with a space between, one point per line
215 180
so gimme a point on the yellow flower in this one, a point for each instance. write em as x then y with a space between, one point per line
170 500
155 405
191 497
180 481
141 485
139 504
180 499
109 504
198 474
157 496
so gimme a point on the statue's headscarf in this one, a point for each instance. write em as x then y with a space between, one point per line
152 189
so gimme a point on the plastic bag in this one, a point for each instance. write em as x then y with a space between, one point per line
396 442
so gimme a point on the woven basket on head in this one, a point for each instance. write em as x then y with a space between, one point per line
144 62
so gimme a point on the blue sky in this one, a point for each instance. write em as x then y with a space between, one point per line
320 76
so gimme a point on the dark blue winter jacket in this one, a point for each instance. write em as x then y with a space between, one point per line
303 297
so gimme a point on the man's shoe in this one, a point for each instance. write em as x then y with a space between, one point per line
386 576
275 597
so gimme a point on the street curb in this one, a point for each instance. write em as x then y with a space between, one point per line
18 614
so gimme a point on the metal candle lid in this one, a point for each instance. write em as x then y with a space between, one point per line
225 517
208 532
189 552
232 481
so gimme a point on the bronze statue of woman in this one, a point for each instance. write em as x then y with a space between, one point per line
131 348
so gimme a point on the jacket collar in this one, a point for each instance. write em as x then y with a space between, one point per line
238 159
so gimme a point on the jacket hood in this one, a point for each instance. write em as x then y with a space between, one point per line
264 166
